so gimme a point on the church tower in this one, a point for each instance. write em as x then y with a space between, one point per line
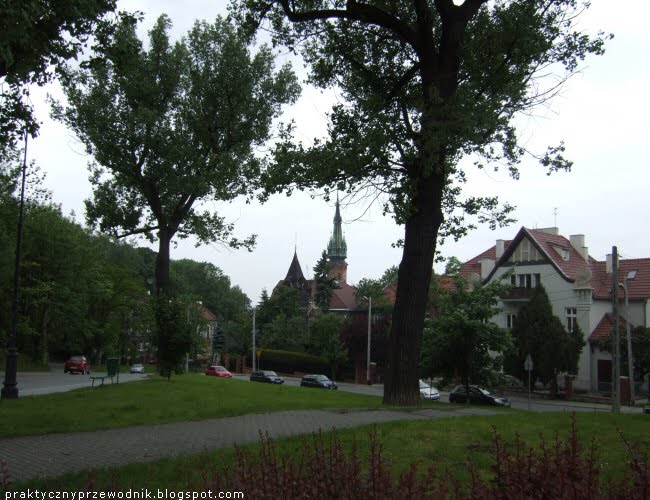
337 250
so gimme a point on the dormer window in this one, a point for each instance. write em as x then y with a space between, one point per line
562 252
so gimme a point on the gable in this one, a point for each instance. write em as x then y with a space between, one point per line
525 252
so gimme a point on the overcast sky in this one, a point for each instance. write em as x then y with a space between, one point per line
602 116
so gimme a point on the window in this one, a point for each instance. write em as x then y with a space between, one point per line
510 320
537 280
571 318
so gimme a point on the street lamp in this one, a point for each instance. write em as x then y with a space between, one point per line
10 388
254 339
369 299
629 276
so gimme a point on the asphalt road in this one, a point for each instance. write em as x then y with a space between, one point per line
34 383
57 381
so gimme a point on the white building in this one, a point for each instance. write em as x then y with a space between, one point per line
578 286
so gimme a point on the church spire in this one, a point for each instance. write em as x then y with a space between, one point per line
337 249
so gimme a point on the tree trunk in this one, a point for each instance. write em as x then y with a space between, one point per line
413 280
45 358
163 284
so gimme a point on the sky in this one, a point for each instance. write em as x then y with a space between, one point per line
601 115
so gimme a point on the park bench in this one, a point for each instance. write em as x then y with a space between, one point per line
112 366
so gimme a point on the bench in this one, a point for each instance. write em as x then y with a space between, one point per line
112 366
100 377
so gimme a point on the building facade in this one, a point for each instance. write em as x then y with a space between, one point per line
579 288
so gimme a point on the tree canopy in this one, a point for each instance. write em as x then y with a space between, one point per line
460 340
171 127
425 84
35 36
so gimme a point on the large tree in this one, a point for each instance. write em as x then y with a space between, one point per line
36 35
427 82
171 127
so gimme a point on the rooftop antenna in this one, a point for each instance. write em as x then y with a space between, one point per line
555 216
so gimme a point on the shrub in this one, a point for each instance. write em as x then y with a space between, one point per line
289 362
560 469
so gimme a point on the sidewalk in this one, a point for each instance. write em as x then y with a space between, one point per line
54 454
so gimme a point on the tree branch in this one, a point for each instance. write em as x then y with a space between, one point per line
354 12
142 230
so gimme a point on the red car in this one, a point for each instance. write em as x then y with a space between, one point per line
218 371
77 364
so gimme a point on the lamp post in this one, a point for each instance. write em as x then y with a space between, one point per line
254 339
369 299
629 275
10 388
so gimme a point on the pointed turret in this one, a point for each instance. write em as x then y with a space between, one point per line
294 277
337 249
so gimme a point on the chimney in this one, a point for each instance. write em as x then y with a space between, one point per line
486 267
578 243
499 248
549 230
608 263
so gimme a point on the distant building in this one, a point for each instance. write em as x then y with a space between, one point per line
579 288
343 297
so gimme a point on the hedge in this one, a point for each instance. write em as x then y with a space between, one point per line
289 362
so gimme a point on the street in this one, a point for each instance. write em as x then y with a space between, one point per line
35 383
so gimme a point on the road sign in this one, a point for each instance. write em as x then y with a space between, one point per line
528 364
258 352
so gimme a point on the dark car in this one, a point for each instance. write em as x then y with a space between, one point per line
266 376
320 381
77 364
477 396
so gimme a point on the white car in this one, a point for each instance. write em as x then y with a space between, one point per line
428 392
137 368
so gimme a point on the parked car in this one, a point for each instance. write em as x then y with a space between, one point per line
477 395
428 392
137 368
320 381
218 371
77 364
266 376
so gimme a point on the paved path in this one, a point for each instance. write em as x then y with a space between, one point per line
54 454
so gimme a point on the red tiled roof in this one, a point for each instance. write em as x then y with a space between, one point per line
605 327
206 314
390 292
344 297
547 241
473 266
638 287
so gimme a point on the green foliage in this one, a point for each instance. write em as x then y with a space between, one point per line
325 340
34 36
280 321
538 332
459 340
174 334
324 283
291 361
172 126
640 350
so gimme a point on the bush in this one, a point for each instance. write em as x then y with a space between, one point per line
289 362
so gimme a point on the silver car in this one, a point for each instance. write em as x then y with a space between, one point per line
428 392
137 368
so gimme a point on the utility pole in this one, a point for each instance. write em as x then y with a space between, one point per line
616 357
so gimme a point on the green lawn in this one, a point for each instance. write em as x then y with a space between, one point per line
447 443
157 400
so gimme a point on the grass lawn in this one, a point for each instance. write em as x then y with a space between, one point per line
157 400
448 443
